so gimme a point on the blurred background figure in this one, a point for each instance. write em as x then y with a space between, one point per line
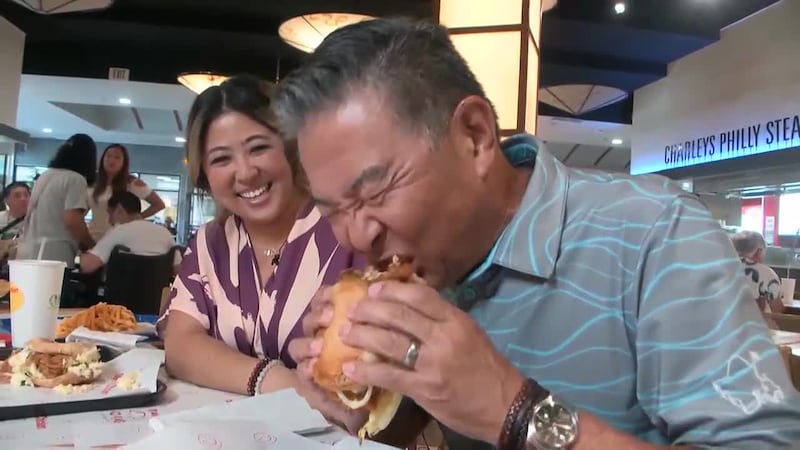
131 231
169 223
114 176
765 283
16 196
54 220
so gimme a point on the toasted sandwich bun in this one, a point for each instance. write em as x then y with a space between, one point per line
59 348
350 289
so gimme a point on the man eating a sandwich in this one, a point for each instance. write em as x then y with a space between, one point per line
560 308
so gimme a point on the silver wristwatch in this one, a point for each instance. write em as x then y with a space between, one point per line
553 426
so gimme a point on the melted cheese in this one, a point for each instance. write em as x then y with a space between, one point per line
22 372
18 359
87 364
68 389
129 381
381 416
89 356
20 378
87 370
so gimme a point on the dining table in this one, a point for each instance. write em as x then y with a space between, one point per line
792 307
115 428
787 338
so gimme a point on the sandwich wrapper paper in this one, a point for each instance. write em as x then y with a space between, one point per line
282 410
212 435
275 421
145 362
121 341
279 420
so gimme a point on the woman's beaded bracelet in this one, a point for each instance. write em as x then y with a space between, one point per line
263 374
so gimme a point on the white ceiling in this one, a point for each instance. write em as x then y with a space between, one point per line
157 114
82 105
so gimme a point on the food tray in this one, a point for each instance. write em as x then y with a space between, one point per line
54 409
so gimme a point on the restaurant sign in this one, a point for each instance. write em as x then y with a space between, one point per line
777 134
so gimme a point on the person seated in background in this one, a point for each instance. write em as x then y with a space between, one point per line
169 224
765 283
130 230
16 196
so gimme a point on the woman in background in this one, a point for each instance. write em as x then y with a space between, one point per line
113 175
54 221
248 276
763 281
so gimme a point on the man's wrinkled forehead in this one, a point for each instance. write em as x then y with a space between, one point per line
338 142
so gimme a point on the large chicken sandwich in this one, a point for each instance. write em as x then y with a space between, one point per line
350 289
49 364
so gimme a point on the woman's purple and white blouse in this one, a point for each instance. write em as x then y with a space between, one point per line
218 283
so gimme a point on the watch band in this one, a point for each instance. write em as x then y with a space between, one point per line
515 427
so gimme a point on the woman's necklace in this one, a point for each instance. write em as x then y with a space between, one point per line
274 254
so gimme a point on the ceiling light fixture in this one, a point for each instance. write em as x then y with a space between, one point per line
198 82
579 99
616 141
64 6
500 42
124 101
47 130
308 31
620 7
180 139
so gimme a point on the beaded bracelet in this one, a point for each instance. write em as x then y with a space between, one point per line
251 382
264 372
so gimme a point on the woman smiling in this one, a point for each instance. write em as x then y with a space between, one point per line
248 277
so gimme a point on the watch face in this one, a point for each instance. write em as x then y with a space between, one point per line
555 426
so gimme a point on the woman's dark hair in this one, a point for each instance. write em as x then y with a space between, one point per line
242 94
120 181
78 154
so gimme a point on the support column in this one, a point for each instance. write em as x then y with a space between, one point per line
12 47
500 41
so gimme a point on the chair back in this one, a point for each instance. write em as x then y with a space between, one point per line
137 281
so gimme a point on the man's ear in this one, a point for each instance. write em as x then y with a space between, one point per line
474 129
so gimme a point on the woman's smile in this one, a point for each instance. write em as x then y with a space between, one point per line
257 196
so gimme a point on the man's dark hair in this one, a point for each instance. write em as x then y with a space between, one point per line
129 202
413 63
16 184
78 154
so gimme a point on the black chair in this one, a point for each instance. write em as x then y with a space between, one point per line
136 281
80 289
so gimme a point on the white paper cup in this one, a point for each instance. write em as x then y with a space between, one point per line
787 290
35 298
